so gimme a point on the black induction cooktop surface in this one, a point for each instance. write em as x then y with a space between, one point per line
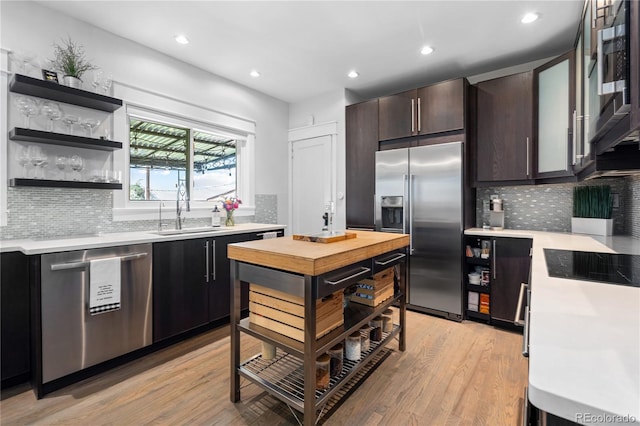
610 268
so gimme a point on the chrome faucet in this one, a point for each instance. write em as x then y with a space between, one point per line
160 224
181 199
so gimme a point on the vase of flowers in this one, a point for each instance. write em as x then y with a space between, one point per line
230 205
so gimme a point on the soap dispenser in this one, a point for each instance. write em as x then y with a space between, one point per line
215 217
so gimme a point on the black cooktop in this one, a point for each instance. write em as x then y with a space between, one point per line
610 268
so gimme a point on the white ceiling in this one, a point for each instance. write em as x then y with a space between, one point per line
306 48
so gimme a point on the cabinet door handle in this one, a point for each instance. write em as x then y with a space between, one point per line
494 259
413 115
516 319
528 162
206 256
213 259
390 260
525 333
575 137
419 116
360 272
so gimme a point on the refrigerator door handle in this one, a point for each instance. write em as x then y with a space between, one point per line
405 203
411 215
377 214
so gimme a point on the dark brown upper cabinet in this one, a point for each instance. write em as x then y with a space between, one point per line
555 116
504 129
441 107
397 115
429 110
360 157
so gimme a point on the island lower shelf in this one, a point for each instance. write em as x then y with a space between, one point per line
355 317
283 376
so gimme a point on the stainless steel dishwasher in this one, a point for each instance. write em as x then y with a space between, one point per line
73 338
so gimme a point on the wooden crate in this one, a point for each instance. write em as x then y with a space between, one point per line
372 292
284 313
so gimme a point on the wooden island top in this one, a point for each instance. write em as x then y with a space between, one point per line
310 258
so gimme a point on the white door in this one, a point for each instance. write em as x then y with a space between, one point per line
310 183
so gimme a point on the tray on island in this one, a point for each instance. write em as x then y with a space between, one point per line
325 236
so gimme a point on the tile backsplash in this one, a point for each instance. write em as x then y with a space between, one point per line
549 207
42 213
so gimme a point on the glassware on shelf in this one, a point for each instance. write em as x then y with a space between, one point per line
96 82
39 160
106 84
89 124
27 107
52 111
22 156
76 165
70 120
61 163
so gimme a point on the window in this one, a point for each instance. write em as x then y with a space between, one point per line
163 157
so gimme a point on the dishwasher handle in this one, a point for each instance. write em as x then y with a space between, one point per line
86 263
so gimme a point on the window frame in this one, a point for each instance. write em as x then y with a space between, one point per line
181 114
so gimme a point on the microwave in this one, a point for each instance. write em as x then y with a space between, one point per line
612 70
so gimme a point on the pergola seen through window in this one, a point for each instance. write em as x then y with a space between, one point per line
162 156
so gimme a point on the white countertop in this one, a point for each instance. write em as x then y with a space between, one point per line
123 238
584 337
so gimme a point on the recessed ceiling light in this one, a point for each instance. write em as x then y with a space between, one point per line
426 50
353 74
254 74
529 18
182 39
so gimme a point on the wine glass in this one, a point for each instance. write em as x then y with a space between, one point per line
106 84
70 120
61 164
97 80
52 111
27 107
90 124
38 160
22 156
76 165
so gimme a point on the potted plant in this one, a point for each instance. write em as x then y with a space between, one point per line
592 208
70 60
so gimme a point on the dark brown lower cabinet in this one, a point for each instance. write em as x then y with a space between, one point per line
191 283
14 318
180 293
511 265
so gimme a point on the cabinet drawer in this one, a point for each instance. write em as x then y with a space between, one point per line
344 277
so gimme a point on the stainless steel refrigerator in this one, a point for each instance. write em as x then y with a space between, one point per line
419 191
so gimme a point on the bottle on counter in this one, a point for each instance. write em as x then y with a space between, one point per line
215 216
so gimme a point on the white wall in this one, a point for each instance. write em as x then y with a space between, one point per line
326 108
28 26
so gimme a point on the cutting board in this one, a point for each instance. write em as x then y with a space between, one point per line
320 238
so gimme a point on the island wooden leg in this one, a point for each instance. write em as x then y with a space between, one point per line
309 352
235 332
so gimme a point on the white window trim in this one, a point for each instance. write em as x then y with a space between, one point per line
157 107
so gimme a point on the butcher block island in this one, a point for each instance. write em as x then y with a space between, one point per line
306 315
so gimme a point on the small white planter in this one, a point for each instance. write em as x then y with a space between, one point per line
584 225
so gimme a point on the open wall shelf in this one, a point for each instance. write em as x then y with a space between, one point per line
17 182
39 136
57 92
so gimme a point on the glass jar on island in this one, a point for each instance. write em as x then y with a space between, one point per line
352 348
322 371
376 329
337 356
365 343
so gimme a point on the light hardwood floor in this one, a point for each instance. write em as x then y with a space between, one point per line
451 374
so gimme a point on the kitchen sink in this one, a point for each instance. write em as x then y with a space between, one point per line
188 230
